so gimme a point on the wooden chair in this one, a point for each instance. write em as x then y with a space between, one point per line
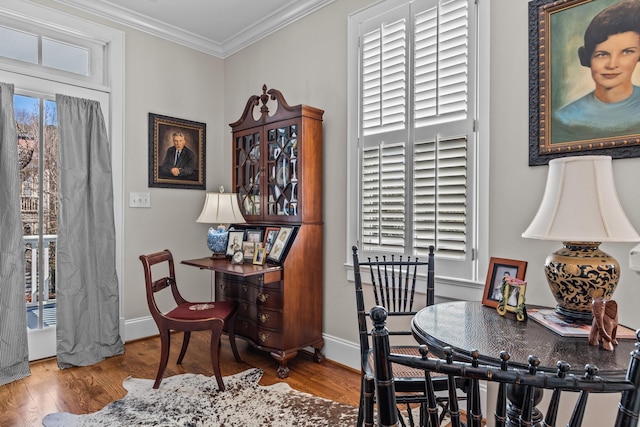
393 284
523 383
186 316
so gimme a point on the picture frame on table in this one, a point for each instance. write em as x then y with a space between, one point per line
253 236
270 235
249 249
280 245
167 167
235 242
568 113
498 267
260 256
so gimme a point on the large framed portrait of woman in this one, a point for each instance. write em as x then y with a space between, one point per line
584 88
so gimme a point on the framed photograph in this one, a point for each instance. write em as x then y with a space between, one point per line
249 249
575 106
498 268
235 242
512 300
260 256
270 235
280 245
176 153
253 236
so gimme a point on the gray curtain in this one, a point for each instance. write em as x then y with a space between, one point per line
87 293
14 353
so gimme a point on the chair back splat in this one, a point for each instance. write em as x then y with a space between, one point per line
186 316
529 382
395 283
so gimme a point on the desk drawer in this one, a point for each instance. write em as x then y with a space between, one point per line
266 298
246 328
269 338
270 319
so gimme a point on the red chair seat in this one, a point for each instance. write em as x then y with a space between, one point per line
202 310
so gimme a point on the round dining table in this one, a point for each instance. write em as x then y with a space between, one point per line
466 326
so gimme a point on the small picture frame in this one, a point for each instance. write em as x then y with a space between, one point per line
498 267
260 256
280 244
235 242
253 236
249 249
270 235
513 291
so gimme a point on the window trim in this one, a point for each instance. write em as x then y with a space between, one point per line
480 146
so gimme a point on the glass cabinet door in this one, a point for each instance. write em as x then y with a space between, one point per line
247 173
282 170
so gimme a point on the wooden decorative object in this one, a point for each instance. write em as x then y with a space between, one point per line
605 323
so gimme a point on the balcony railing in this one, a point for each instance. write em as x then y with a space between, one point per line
46 277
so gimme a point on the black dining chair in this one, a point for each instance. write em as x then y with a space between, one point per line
524 384
393 284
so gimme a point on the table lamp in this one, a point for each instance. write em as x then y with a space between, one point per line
223 209
580 208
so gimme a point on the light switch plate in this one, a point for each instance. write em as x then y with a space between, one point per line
139 200
634 259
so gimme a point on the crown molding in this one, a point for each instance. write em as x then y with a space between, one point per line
264 27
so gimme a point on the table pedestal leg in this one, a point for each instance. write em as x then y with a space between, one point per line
515 395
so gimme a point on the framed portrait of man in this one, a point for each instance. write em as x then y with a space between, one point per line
176 153
584 88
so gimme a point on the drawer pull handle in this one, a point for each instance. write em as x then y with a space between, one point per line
245 306
223 287
263 298
245 288
264 318
264 337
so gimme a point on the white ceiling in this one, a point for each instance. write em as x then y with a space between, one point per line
217 27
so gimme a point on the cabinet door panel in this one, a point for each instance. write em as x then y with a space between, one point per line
247 170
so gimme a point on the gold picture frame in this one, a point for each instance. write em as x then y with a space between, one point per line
260 256
169 169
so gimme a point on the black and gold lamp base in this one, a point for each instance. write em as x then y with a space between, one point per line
577 273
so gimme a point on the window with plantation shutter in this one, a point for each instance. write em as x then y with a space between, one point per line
416 112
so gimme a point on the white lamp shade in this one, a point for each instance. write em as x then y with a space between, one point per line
221 208
580 204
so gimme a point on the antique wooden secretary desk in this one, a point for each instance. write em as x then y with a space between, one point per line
277 174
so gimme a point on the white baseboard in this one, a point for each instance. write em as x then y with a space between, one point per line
141 327
335 349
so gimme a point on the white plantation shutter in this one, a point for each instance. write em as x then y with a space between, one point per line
384 78
416 132
441 63
383 203
440 196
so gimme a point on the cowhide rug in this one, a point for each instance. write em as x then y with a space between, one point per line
194 400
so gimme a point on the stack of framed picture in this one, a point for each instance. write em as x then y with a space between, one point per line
260 245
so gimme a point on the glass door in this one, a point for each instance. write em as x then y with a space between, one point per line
38 168
282 168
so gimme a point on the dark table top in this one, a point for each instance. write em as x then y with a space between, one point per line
467 326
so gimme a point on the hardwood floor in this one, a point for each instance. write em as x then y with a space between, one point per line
87 389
